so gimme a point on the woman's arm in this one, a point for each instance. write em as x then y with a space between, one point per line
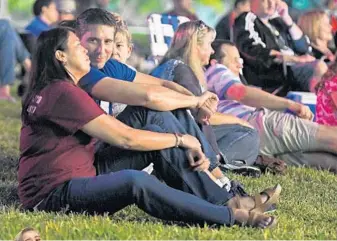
114 132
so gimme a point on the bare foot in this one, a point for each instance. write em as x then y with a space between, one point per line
252 219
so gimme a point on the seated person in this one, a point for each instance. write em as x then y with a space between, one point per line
56 171
96 30
316 26
326 107
12 50
66 9
183 63
182 8
274 48
279 132
224 28
46 15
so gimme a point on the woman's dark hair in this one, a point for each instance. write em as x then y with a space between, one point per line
46 68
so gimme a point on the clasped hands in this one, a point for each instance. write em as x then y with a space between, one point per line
207 106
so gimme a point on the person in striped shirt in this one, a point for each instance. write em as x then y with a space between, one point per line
280 132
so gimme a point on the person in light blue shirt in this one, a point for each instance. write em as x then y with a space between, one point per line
46 15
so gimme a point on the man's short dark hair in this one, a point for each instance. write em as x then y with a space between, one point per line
237 2
94 16
216 45
39 4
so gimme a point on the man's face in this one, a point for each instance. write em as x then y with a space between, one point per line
186 4
51 13
232 59
263 8
99 41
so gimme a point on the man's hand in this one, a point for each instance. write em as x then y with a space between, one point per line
298 59
197 160
283 11
301 111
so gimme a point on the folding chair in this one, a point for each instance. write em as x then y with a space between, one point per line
162 28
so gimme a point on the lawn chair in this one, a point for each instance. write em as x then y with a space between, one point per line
162 28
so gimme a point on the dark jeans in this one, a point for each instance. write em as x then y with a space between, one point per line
12 49
114 189
238 143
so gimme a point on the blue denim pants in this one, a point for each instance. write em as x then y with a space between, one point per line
189 196
237 143
12 50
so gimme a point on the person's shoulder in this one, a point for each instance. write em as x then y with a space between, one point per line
62 85
245 17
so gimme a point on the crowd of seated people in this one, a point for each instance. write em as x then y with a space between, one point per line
91 123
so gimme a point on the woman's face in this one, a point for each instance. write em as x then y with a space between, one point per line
205 49
77 60
325 29
31 236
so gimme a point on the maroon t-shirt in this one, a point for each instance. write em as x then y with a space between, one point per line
53 148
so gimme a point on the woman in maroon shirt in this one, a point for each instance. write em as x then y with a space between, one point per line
56 168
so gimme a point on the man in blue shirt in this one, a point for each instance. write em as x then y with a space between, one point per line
46 15
112 81
96 30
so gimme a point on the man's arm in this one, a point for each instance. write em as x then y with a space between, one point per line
150 80
258 98
151 96
221 119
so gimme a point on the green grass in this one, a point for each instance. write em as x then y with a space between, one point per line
307 209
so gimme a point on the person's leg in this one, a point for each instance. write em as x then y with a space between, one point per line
178 121
282 133
8 59
114 191
171 165
307 75
238 143
319 160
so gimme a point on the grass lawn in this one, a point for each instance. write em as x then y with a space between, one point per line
307 209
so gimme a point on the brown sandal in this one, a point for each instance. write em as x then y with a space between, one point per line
273 195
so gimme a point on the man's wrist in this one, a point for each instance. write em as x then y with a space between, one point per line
288 21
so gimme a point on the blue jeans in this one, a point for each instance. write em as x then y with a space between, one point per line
12 49
113 191
238 143
114 187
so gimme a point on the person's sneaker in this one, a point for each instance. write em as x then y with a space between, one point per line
244 170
